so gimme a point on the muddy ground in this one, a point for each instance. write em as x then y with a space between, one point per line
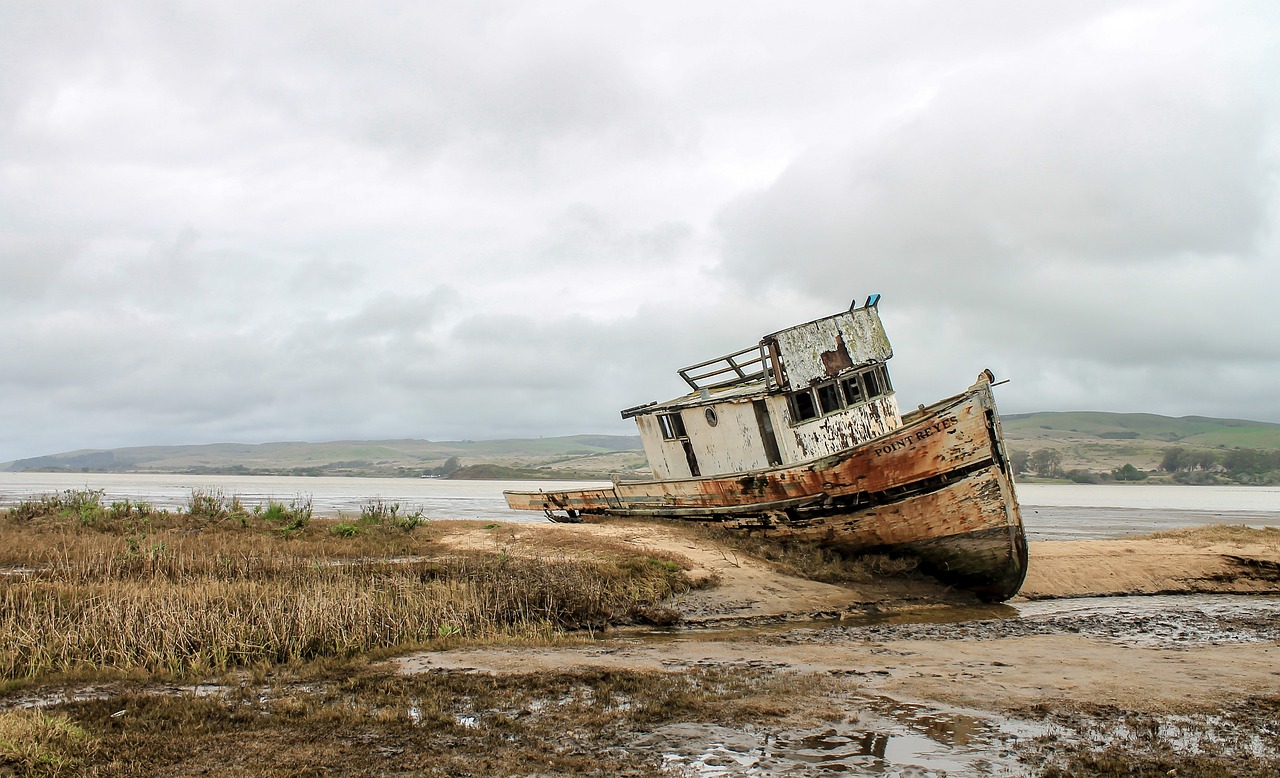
770 674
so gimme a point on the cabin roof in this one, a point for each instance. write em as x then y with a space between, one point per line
742 392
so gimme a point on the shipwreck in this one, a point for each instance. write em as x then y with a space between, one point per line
800 437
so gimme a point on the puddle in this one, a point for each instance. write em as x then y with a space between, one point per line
48 699
881 737
1168 621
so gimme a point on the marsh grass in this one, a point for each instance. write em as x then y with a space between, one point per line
365 721
190 594
1233 534
33 742
1239 740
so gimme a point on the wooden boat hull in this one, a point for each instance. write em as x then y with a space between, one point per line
938 488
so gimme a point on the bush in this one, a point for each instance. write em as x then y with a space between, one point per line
1128 473
211 505
83 504
288 518
384 515
1084 477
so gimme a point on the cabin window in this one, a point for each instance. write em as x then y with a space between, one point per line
872 382
852 390
885 385
803 406
672 426
829 398
867 385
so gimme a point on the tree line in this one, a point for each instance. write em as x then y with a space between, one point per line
1184 465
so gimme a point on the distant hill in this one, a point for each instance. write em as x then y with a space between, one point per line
1097 440
571 456
1086 439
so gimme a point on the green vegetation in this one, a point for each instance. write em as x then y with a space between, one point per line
598 455
1188 430
361 720
1105 447
1179 465
487 472
37 743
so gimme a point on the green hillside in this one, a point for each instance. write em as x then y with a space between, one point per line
1096 440
1186 430
1088 440
573 456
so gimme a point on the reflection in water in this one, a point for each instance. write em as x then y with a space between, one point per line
884 736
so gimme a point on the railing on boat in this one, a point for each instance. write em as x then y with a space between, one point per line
732 369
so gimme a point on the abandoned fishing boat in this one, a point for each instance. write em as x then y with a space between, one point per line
800 437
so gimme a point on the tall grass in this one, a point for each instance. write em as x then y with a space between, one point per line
192 598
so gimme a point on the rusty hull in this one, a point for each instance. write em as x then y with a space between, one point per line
937 487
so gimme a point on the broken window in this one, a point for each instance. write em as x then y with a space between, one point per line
885 386
803 406
829 398
672 426
871 380
832 396
852 390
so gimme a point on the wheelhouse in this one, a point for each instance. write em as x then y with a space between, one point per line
804 392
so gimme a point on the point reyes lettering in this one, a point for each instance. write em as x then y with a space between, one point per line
907 441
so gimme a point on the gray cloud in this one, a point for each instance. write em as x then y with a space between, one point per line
329 220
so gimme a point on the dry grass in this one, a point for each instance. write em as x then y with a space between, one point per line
1232 534
190 597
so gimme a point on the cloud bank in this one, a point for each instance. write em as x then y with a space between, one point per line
318 221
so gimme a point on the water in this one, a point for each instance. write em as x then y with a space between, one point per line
330 496
1050 511
1090 512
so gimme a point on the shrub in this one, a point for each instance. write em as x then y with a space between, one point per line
384 515
289 518
345 529
1128 473
1084 477
208 505
83 504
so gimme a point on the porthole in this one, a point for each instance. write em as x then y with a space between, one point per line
712 419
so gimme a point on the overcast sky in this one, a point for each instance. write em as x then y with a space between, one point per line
258 221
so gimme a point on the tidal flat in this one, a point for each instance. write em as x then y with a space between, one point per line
226 641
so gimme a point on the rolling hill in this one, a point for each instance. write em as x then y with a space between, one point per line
1086 439
569 456
1096 440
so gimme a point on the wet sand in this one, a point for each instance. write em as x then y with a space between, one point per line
750 589
1051 672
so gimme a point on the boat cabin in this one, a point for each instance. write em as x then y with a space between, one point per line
801 393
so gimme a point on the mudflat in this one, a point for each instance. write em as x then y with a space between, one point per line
1148 656
1186 682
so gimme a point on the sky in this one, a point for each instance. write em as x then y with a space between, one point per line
264 221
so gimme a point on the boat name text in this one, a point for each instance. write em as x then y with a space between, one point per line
919 435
